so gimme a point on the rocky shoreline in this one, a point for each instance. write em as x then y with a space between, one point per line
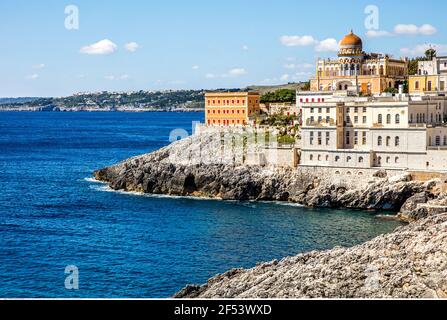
411 262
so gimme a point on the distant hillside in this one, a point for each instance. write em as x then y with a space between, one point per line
266 89
17 100
169 100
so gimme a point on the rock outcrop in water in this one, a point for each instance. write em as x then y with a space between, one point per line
411 262
178 170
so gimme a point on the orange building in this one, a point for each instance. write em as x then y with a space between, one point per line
231 108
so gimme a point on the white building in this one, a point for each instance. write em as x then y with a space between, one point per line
342 130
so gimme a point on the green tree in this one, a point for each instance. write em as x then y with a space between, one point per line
430 54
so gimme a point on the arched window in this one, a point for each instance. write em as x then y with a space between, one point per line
337 158
379 119
348 159
379 161
311 157
319 157
388 141
397 119
361 160
388 119
397 141
396 160
379 141
388 159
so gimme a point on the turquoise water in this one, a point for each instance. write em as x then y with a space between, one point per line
126 245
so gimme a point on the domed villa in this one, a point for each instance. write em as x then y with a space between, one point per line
369 73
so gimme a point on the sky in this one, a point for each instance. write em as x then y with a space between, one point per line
57 48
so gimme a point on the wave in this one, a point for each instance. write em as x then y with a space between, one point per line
93 180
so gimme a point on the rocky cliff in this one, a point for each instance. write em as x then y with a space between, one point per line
197 166
410 262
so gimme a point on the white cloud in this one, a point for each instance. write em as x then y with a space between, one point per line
103 47
303 41
378 34
232 73
412 29
195 67
39 66
284 77
298 41
132 46
116 78
237 72
245 48
327 45
32 77
404 29
420 49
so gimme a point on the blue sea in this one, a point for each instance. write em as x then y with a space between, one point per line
53 215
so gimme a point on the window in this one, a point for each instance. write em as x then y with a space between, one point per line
327 138
328 119
356 119
320 110
312 119
311 138
328 110
445 140
438 141
363 137
319 138
360 159
311 158
411 118
429 86
356 138
388 141
337 158
379 119
396 160
348 159
364 119
388 119
379 161
348 138
379 141
319 157
311 110
397 141
416 85
388 159
397 119
356 110
364 109
320 119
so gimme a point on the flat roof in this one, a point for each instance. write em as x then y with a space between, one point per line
231 94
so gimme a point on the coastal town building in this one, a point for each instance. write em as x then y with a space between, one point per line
344 130
431 77
231 108
274 108
368 73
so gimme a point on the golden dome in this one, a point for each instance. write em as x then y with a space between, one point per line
351 40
